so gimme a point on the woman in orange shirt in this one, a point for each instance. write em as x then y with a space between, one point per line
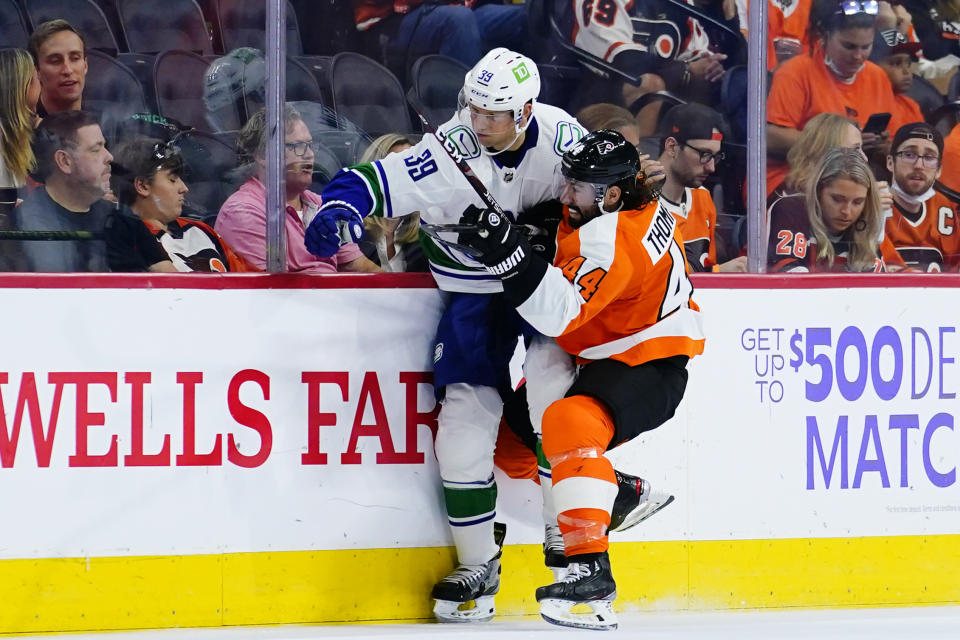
834 77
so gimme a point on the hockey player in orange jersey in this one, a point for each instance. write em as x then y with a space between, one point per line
618 298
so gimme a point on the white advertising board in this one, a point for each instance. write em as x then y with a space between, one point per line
163 421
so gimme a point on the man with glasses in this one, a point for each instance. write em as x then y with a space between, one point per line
242 220
690 151
923 226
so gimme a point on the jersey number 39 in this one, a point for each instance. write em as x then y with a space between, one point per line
421 166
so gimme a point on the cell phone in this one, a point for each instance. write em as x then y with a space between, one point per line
877 123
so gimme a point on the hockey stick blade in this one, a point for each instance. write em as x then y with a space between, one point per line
652 506
434 231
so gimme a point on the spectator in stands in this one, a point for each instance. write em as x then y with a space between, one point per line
661 46
60 53
924 226
896 55
834 77
823 132
400 31
787 34
242 221
690 149
18 117
950 176
74 164
834 225
605 115
936 24
393 244
147 232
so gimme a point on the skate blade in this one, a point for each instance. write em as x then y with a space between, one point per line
561 613
654 504
483 610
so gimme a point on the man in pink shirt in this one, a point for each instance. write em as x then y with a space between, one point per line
242 221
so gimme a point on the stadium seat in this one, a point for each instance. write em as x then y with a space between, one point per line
368 94
211 163
13 28
927 95
113 91
243 24
301 87
85 15
325 166
326 26
178 78
435 81
151 27
141 64
319 67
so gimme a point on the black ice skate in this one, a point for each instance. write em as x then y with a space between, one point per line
553 554
588 582
467 584
635 502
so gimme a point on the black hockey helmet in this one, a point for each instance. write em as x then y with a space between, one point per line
601 157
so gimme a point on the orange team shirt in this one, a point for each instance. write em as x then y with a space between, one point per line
786 20
804 86
697 221
951 160
619 289
929 240
906 110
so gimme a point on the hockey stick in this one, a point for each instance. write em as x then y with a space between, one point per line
434 230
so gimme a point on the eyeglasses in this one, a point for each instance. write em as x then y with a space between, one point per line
930 162
707 156
300 148
853 7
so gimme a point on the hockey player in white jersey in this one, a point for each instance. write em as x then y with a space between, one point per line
514 146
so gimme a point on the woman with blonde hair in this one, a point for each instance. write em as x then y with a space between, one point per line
392 243
824 132
834 225
18 117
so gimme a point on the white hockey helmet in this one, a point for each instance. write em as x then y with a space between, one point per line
502 81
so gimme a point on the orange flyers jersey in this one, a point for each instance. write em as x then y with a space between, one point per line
619 289
786 20
929 240
950 176
697 221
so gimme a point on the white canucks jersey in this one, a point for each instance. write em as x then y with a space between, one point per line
423 178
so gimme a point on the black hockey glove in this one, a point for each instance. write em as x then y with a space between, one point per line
504 251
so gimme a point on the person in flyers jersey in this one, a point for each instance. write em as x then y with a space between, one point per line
616 297
835 225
